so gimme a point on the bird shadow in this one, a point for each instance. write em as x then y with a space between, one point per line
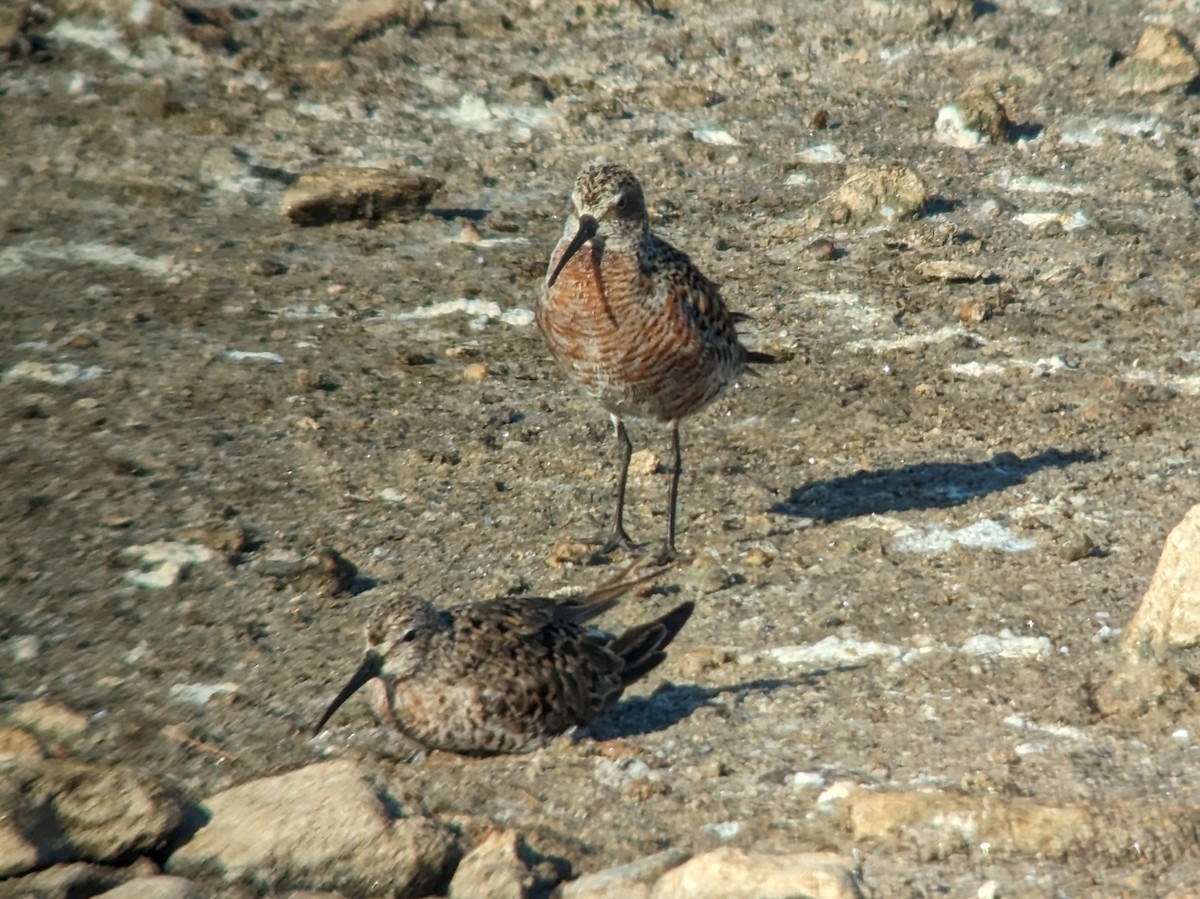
924 485
450 214
1018 131
672 703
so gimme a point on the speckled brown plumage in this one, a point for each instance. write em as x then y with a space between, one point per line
507 675
633 322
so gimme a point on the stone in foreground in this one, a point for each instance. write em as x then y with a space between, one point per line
728 873
1169 614
494 868
61 810
326 826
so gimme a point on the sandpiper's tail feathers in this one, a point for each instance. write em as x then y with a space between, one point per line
595 602
756 358
641 647
753 356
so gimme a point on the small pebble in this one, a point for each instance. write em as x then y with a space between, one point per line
1076 547
822 249
697 662
712 768
413 358
951 271
972 312
24 647
310 380
641 789
710 577
228 538
759 558
725 830
266 267
1051 228
570 552
807 780
282 563
199 694
643 462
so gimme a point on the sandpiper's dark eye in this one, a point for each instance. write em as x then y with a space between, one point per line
408 637
623 203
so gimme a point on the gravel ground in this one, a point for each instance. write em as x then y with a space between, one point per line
912 545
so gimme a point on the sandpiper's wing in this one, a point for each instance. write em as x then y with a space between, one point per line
678 282
530 670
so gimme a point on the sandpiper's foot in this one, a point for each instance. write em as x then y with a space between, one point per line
667 553
618 539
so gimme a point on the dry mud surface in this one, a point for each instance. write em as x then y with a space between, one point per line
913 544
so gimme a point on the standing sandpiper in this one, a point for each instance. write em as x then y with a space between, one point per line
507 675
635 323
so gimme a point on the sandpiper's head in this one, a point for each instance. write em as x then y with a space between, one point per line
398 635
607 200
399 632
609 193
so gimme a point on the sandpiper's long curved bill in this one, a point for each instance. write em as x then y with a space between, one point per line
587 230
371 666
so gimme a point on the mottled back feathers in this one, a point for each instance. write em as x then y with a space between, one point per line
506 675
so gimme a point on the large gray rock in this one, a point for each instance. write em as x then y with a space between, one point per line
60 810
324 827
1169 614
728 873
